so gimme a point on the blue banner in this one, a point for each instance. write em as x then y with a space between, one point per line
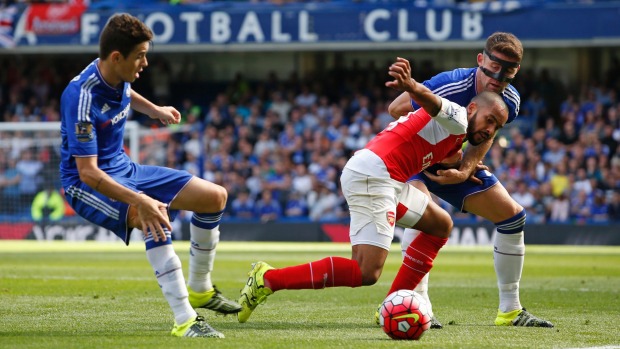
332 25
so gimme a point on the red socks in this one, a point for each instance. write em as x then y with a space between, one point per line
417 262
338 271
327 272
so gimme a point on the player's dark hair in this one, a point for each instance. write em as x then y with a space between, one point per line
505 43
122 33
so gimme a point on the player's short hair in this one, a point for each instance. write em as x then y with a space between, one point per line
122 33
505 43
488 99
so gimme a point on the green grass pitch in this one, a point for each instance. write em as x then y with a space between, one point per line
94 295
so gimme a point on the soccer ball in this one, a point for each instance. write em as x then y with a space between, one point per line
404 315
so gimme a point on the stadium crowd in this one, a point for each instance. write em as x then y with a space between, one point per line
278 145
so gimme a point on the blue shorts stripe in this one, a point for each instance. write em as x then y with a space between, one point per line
160 183
93 201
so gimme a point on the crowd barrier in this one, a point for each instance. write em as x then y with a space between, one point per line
465 234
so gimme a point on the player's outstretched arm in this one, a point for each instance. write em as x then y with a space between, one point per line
167 115
401 72
400 106
152 214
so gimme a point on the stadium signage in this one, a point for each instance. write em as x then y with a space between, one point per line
336 25
222 27
462 234
54 19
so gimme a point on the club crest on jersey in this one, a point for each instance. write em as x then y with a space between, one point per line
391 218
84 131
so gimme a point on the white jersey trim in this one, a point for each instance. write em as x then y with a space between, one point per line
454 87
86 98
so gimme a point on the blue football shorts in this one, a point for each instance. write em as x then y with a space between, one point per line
455 194
160 183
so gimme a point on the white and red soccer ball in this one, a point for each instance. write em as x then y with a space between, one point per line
404 315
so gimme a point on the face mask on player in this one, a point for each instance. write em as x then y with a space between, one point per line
501 74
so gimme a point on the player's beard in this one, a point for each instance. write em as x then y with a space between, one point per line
471 133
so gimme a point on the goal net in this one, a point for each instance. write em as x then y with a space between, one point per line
29 166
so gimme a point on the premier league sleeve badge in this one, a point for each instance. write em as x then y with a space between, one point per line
84 131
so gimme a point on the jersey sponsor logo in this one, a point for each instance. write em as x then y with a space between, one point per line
84 131
414 260
391 218
120 116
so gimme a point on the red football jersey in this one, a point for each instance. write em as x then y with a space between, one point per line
416 141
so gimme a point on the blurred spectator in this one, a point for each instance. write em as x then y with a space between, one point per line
267 208
29 170
581 207
280 106
302 181
323 202
559 180
613 208
305 98
296 206
560 209
554 153
242 206
9 184
599 213
582 183
523 196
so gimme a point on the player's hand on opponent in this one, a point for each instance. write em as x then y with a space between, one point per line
167 115
401 72
456 176
153 217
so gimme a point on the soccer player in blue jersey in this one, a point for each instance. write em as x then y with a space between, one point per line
104 186
482 194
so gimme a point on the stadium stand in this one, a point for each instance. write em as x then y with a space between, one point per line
288 139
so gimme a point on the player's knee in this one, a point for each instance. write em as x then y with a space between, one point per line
214 201
369 266
220 197
513 224
370 277
442 225
445 225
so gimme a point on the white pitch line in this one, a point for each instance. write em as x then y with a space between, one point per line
47 277
603 347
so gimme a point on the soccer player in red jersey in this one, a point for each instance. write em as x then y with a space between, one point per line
374 181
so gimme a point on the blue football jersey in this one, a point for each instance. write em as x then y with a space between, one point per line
459 86
93 118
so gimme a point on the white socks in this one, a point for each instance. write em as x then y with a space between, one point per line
422 289
169 273
201 257
508 256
